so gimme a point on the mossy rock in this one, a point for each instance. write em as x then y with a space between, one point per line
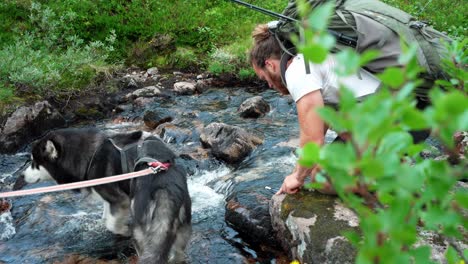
316 224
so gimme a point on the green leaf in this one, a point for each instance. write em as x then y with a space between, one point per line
409 53
452 256
320 177
393 77
395 142
368 56
352 236
315 53
372 167
318 19
462 198
326 40
331 117
309 155
314 185
415 119
347 100
348 62
421 254
406 92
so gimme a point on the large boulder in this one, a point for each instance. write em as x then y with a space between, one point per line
310 226
247 213
26 123
229 143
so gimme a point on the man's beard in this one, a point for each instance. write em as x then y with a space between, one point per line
278 84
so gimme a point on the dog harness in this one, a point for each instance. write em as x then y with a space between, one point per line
137 149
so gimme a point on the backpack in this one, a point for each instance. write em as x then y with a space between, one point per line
375 25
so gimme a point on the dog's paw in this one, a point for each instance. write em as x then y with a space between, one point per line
117 226
122 230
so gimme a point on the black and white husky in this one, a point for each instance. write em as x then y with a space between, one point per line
158 205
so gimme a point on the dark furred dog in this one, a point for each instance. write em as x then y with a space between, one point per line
159 204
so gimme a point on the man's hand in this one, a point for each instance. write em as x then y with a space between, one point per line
291 184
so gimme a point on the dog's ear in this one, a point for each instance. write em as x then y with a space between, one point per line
51 150
126 138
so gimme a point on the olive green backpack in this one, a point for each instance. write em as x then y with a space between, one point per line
376 25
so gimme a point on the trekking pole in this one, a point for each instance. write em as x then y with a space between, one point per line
265 11
340 37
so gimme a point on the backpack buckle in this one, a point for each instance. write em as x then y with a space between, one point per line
272 25
417 25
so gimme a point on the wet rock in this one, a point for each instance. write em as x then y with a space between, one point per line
4 206
122 108
7 225
203 84
79 259
149 91
28 122
185 88
153 119
131 84
170 133
229 143
254 107
461 142
142 101
197 159
204 75
153 71
310 225
248 214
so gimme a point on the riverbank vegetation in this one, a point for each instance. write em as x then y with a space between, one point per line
59 48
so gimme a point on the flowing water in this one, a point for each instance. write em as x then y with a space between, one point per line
55 228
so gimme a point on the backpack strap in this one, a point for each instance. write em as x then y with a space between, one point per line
285 57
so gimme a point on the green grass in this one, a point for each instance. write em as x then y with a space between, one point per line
54 47
443 15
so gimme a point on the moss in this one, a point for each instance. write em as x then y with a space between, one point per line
308 204
89 113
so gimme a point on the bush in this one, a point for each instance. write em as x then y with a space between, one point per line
400 193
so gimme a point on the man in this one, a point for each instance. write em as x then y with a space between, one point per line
310 90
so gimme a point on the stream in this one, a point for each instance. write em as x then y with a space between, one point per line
66 228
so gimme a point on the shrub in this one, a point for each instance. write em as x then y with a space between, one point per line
401 194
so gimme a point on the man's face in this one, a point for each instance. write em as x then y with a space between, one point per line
272 75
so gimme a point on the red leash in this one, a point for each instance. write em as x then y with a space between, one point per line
154 167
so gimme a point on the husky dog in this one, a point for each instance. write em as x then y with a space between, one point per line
158 205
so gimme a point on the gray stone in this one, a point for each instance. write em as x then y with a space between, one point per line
153 119
28 122
185 88
254 107
229 143
152 71
310 226
149 91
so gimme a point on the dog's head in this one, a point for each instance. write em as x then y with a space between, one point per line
62 155
43 155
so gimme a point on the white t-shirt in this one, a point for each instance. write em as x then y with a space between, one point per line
322 76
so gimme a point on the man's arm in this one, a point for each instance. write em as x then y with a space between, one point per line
312 129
